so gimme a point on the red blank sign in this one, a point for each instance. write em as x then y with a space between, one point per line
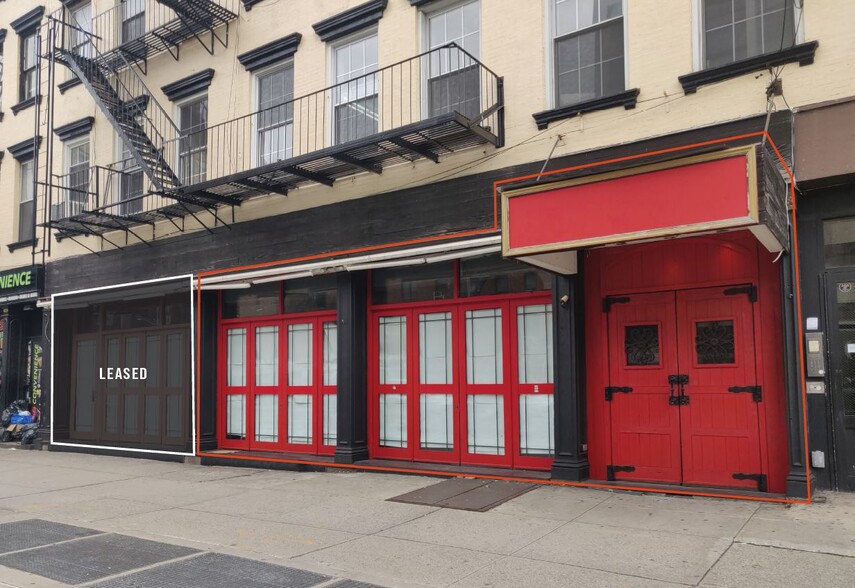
689 198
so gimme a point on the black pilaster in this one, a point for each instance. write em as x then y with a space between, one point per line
571 460
207 320
797 478
352 444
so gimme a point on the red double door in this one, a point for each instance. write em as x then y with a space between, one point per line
683 392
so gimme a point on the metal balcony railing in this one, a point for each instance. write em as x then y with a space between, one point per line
423 107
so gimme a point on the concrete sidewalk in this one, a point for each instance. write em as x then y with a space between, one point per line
341 525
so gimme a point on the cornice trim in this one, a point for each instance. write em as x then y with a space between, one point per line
75 129
26 24
26 149
350 21
273 52
188 86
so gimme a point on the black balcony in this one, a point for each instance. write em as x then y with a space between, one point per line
424 107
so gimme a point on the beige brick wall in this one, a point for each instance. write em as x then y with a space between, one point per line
513 44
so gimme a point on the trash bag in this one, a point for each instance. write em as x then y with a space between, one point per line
6 416
22 418
28 434
5 436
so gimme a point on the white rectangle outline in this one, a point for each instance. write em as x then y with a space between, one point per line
192 365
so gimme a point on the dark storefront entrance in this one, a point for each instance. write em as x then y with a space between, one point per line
123 367
21 336
840 288
683 394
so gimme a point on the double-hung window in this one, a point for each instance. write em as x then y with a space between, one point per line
355 99
130 181
26 225
588 50
77 174
133 19
454 77
275 118
29 64
193 146
739 29
78 36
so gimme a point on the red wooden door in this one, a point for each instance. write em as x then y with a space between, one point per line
645 425
720 422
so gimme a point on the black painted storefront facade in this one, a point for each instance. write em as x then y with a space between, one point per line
22 341
445 208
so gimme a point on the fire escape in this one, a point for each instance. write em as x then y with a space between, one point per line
423 107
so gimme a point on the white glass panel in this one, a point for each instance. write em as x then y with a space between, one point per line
436 421
484 346
330 354
236 416
330 419
236 361
536 424
267 418
534 338
393 350
486 424
300 355
267 356
393 420
435 348
300 418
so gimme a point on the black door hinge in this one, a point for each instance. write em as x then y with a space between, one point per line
611 470
678 380
759 478
609 300
756 391
612 390
751 290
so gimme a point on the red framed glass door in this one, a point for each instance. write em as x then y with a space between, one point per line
532 374
436 391
485 388
391 339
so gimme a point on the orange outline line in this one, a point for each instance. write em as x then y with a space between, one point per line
495 227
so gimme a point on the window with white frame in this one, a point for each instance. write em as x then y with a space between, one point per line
81 21
454 76
739 29
193 145
275 119
355 100
130 181
77 179
29 66
588 50
26 226
133 19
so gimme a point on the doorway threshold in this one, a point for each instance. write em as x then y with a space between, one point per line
687 491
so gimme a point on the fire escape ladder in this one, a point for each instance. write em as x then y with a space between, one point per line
132 110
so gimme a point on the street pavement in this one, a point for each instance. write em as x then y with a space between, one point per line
340 525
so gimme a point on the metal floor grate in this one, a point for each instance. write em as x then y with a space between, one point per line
93 558
36 533
217 570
